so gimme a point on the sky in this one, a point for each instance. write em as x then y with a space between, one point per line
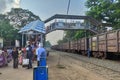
6 5
45 9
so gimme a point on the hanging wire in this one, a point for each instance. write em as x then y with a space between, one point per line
68 6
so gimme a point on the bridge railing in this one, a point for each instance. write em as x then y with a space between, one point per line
86 22
69 26
64 26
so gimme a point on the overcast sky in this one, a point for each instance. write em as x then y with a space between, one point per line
6 5
45 9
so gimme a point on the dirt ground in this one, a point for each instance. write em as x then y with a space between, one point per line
60 67
68 69
8 73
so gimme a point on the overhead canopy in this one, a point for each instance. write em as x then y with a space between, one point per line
37 26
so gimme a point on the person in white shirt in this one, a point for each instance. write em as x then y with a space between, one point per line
40 52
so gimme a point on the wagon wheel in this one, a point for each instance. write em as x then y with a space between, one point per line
83 53
95 54
103 55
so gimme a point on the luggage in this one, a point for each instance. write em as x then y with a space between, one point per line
25 62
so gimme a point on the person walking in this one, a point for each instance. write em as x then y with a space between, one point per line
88 52
40 52
29 55
15 57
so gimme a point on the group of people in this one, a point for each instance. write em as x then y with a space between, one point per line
31 51
5 57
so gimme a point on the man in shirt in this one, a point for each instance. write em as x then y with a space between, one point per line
29 55
40 52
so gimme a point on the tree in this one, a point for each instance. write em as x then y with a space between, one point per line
69 36
12 22
20 17
7 32
104 10
79 34
47 44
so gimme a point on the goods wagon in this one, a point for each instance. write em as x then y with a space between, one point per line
100 45
112 41
65 46
79 45
74 46
84 45
71 46
104 44
93 45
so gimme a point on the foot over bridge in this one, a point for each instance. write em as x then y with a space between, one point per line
72 22
61 22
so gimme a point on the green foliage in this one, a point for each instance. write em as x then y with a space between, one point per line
60 41
101 10
72 35
20 17
12 22
105 10
47 44
7 32
79 34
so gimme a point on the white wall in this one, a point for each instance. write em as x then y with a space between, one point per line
54 36
1 42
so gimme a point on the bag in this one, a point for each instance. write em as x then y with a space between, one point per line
25 62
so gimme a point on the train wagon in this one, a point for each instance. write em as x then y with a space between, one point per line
100 45
71 46
66 46
93 45
112 41
106 44
79 45
84 44
74 46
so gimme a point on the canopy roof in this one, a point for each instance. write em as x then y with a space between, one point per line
37 26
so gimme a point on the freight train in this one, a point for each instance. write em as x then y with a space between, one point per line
100 45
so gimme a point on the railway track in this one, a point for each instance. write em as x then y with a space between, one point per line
106 68
108 64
